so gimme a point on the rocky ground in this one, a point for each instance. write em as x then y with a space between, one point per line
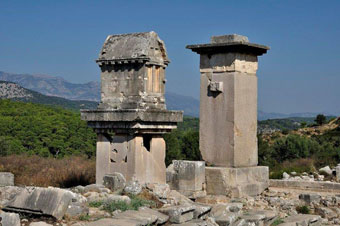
118 203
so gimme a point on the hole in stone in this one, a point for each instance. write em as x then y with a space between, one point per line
147 141
125 159
112 160
115 150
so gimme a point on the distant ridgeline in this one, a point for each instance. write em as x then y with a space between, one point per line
10 90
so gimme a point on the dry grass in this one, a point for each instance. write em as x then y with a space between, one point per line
39 171
296 165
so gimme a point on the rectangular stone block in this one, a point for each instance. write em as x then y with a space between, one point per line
237 182
228 120
41 201
6 179
186 176
140 156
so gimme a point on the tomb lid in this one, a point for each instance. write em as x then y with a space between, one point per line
134 47
229 43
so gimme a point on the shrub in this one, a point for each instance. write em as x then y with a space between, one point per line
298 165
96 204
303 209
277 222
44 172
135 203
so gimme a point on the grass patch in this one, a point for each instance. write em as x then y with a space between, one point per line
135 203
84 217
303 209
96 204
277 222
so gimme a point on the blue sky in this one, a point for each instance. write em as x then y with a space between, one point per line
299 74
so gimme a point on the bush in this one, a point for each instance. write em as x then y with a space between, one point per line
303 209
298 165
135 203
44 172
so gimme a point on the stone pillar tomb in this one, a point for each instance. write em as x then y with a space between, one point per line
132 115
228 115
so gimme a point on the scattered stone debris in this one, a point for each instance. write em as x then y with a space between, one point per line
9 219
41 201
115 182
6 179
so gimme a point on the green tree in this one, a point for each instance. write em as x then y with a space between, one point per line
320 119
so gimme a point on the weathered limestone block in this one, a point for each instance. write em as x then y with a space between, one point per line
259 217
161 191
337 173
325 212
237 182
6 179
40 223
302 219
115 181
179 214
142 157
229 120
187 177
161 218
9 219
133 187
228 100
310 198
47 201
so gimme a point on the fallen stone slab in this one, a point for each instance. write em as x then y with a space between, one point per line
198 222
8 193
40 223
41 201
201 210
179 214
161 218
161 191
258 217
302 219
94 188
143 217
115 222
9 219
6 179
325 212
312 185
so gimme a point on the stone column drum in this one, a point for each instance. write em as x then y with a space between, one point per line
132 115
228 115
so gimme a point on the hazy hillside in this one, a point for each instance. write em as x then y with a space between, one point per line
9 90
55 86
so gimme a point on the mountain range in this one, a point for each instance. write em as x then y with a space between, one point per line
90 92
87 94
13 91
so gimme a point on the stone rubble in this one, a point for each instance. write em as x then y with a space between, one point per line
272 207
6 179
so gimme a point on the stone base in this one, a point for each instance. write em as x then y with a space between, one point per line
236 182
134 156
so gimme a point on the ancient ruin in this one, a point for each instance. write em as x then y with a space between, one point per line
228 115
132 115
